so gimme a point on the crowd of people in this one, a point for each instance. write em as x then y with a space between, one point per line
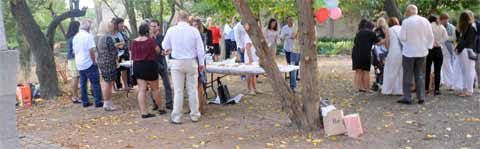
407 57
181 52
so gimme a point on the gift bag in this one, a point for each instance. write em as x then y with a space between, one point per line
223 92
333 123
353 125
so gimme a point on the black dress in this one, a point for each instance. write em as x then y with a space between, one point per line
361 52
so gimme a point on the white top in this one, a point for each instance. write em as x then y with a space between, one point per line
226 31
83 42
287 35
440 34
271 36
253 49
417 35
239 32
185 42
394 40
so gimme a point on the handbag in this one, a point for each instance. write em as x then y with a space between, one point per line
472 55
223 92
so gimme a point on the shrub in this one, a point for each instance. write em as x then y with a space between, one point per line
335 47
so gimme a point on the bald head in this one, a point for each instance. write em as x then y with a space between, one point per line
412 10
182 16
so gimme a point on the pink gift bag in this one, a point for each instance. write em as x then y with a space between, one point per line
353 125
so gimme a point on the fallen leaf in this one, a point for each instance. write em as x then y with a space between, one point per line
237 147
269 144
277 125
195 146
282 146
129 146
449 129
191 137
469 136
152 137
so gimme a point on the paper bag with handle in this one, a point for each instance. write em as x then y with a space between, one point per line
333 123
353 125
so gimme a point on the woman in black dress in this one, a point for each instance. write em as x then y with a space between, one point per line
361 55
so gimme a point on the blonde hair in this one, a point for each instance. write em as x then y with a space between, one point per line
105 28
382 23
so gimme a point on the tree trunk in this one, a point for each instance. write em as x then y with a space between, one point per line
25 54
161 17
148 10
303 111
309 67
132 19
52 27
392 9
98 11
45 70
3 34
172 7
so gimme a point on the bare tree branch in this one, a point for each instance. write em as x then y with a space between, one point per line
111 9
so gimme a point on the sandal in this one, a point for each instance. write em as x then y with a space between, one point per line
75 100
162 112
144 116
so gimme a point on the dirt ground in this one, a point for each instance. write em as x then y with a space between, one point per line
445 121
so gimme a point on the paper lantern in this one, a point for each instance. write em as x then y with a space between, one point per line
322 15
335 13
331 3
318 4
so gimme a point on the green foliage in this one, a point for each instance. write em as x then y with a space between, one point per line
41 15
335 47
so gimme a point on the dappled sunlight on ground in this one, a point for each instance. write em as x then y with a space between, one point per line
446 121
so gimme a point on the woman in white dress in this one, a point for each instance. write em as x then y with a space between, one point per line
465 66
271 35
448 50
251 58
393 71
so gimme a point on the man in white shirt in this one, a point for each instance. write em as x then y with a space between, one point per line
287 36
417 36
239 35
83 47
228 33
188 55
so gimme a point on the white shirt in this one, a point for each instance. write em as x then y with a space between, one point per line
287 35
82 43
440 34
417 35
185 42
239 33
253 49
226 31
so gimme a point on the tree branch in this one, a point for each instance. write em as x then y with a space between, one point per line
111 9
58 19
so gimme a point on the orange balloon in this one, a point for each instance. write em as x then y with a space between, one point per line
322 15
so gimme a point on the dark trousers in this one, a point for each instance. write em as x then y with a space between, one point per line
230 46
413 67
163 71
287 56
93 75
434 57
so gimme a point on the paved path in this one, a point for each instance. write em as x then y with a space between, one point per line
32 142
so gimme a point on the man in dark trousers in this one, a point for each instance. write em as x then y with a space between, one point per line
162 64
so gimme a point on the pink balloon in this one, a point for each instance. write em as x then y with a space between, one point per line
335 13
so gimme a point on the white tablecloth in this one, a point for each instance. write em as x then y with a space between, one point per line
241 69
234 68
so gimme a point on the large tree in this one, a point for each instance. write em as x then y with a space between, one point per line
303 109
52 27
43 51
132 18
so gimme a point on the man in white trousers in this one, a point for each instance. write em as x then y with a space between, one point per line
188 55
